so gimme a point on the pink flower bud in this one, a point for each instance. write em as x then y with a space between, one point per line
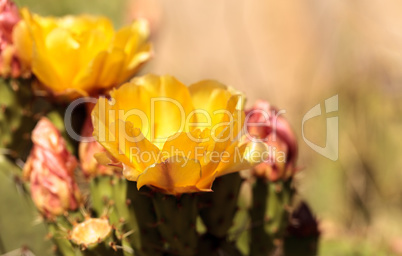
10 64
265 123
50 170
9 17
87 151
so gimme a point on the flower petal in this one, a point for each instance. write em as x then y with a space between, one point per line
212 97
132 40
23 43
62 54
122 139
174 176
168 95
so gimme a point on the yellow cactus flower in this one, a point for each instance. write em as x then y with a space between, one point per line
83 55
174 138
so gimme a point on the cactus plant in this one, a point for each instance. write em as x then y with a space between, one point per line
213 246
269 216
58 232
101 196
20 110
177 217
142 220
217 209
153 222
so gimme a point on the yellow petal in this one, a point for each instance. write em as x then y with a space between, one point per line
168 95
111 69
94 44
212 97
192 145
23 43
61 54
137 112
224 132
87 77
174 176
38 29
135 62
133 40
122 139
233 160
241 156
132 37
83 23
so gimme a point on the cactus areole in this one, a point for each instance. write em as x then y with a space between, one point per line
91 232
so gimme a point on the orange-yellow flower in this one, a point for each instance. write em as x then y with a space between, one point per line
175 138
81 55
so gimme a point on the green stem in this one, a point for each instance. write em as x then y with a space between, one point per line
146 239
218 208
58 230
177 222
269 215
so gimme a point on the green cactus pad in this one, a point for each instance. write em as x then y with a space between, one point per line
20 110
218 208
142 221
177 218
269 216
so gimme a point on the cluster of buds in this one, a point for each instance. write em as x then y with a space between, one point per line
265 124
10 64
50 171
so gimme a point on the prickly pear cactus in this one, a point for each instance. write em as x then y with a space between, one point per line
145 239
177 222
102 196
58 234
19 112
269 216
218 208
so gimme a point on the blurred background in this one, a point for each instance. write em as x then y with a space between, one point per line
294 54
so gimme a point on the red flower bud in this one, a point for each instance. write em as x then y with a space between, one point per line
264 123
10 63
50 170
